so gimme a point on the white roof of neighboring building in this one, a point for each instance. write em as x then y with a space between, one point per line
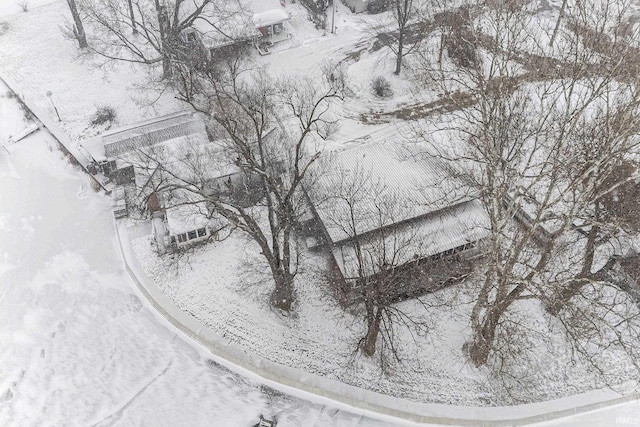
417 182
267 12
161 130
116 142
270 17
185 218
95 148
430 235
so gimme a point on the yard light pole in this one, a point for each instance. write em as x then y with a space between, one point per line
50 96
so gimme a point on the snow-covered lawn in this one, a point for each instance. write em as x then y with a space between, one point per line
36 54
226 287
12 7
80 82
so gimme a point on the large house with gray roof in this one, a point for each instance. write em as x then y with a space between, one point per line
380 205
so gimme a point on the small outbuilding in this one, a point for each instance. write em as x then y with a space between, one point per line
259 22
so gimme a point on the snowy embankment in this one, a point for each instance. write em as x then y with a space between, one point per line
214 284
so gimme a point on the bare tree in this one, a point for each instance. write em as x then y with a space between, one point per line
401 31
381 251
602 156
134 26
558 21
148 31
78 27
518 128
403 12
24 5
268 130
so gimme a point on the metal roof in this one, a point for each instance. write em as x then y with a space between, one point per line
187 217
410 181
430 235
400 201
152 132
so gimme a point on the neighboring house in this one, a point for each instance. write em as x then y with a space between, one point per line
372 6
117 154
229 30
271 20
189 224
135 159
108 150
434 215
260 22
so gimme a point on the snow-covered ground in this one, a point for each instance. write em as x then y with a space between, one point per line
12 7
627 414
78 84
78 344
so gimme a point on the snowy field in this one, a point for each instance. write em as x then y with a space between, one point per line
52 63
225 286
48 61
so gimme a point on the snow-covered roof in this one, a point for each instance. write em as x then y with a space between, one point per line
95 148
159 130
417 182
163 129
225 22
430 235
270 17
185 218
398 200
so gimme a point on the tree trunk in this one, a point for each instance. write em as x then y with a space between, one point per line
167 71
400 52
557 26
368 345
282 295
78 30
132 16
483 336
561 297
163 26
440 52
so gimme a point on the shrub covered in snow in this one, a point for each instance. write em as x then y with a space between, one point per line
381 87
103 115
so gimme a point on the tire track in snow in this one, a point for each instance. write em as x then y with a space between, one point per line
111 419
